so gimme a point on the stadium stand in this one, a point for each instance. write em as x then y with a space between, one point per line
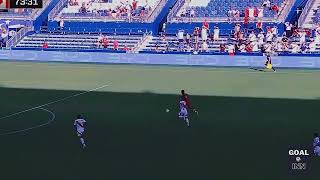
235 10
79 42
310 16
15 23
109 10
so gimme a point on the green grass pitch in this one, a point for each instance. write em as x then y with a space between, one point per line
247 120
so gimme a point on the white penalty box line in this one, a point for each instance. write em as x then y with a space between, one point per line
56 101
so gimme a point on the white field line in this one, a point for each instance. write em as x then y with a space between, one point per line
56 101
53 116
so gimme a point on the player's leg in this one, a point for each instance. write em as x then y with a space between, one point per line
186 119
80 133
317 151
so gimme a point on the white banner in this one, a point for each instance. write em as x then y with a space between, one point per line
4 4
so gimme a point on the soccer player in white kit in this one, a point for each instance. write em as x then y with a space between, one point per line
184 105
79 125
183 114
316 144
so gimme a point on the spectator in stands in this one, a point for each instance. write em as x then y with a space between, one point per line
204 46
83 8
71 2
236 31
204 34
216 33
196 34
252 37
115 44
188 38
312 46
285 43
274 31
192 13
134 5
266 4
275 8
205 25
303 48
242 48
295 48
302 35
105 42
126 48
188 49
259 26
249 48
269 37
180 36
99 41
61 23
288 29
4 33
164 27
231 49
255 47
76 3
317 34
260 39
157 45
45 45
222 48
12 33
279 46
268 47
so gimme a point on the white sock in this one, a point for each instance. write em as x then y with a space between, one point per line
187 121
82 141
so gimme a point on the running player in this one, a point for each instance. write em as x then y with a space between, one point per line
185 104
185 97
183 114
268 63
79 125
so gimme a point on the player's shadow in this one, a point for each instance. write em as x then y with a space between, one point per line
132 132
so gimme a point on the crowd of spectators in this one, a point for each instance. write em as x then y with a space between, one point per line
234 14
104 42
125 10
263 40
4 34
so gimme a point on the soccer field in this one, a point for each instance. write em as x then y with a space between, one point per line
247 121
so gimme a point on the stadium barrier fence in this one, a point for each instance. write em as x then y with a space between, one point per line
159 59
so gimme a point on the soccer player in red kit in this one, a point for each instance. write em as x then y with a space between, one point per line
185 98
185 104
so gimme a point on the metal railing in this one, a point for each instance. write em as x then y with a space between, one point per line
285 10
35 13
175 9
18 36
60 5
154 14
305 12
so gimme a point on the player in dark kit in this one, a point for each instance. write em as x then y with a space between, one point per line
268 63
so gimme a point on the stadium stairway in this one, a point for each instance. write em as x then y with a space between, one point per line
309 19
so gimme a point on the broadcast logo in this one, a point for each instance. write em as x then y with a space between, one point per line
298 160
